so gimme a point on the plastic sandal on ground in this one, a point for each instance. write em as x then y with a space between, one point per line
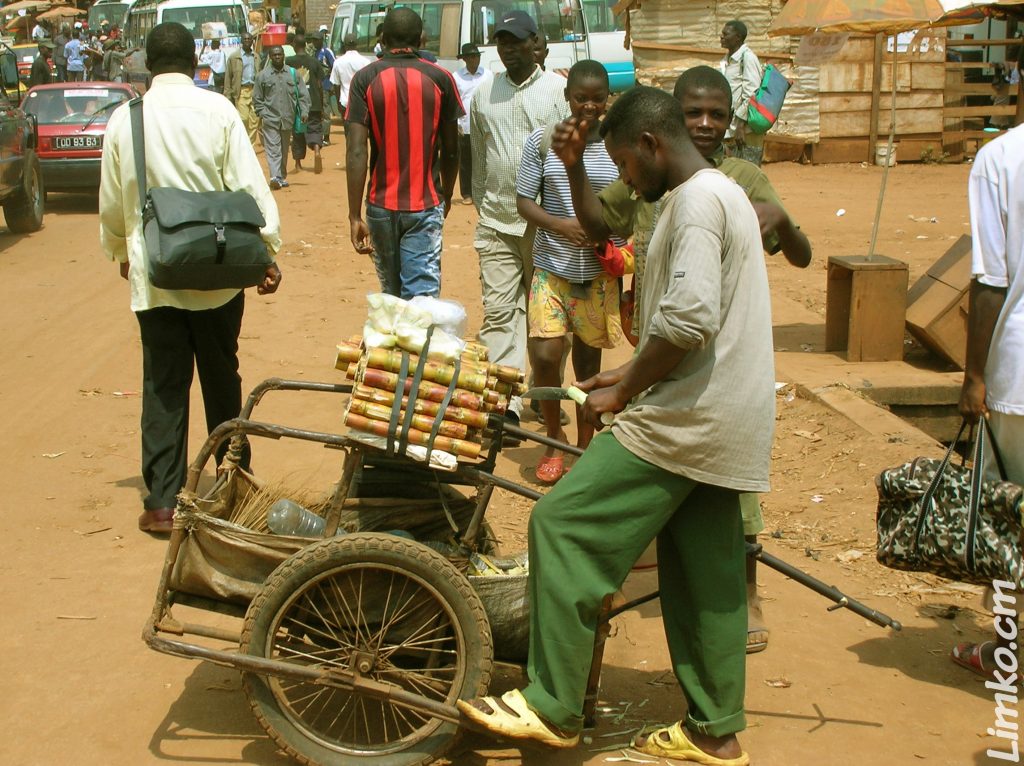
521 723
672 742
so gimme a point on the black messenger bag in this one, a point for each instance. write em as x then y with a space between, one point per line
198 240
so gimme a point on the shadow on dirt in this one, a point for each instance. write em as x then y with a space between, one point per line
212 709
912 652
71 203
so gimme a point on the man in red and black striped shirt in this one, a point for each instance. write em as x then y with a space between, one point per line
408 109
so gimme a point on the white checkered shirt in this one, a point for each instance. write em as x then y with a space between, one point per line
501 118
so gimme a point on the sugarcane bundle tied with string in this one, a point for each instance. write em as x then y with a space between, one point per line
422 385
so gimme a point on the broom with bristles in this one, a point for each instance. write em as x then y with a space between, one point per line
252 512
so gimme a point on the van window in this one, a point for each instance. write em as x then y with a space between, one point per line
441 25
559 20
141 19
194 18
601 17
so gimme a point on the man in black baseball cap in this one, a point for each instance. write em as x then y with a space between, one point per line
504 112
518 23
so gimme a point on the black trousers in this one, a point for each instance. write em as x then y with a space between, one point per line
174 343
465 167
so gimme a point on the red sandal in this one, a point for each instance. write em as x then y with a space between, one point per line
550 469
968 656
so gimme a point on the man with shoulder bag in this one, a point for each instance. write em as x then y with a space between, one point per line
197 150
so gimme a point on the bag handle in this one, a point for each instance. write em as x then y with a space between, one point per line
974 495
995 450
139 146
295 87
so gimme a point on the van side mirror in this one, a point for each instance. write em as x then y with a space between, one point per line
9 69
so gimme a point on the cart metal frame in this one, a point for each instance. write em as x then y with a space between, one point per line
165 634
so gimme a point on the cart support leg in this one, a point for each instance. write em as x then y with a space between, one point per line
353 460
604 628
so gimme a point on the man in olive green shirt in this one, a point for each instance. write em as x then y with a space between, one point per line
706 99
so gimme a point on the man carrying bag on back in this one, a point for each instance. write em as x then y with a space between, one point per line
195 141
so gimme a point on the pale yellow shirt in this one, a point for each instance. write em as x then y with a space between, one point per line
195 140
706 290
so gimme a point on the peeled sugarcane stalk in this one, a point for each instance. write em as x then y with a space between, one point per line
420 422
445 444
457 414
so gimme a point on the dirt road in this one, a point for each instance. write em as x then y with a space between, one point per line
77 579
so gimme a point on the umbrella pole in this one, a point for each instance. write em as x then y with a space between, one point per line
888 156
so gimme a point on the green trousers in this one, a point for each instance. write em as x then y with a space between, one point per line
587 532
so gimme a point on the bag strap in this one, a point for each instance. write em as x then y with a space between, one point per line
928 498
974 495
995 450
139 146
295 86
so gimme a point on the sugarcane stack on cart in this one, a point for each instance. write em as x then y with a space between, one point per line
422 386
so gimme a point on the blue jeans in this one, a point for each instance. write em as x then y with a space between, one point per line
407 250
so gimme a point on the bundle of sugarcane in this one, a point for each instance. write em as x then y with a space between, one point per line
468 394
459 447
473 375
466 415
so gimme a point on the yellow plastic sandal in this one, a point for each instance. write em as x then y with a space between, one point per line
678 746
522 723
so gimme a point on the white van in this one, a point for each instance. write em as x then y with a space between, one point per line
449 24
225 20
113 11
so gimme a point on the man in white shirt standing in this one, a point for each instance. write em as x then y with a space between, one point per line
467 79
214 58
994 376
742 69
344 69
505 111
195 140
39 32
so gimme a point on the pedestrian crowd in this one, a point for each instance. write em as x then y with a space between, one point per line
576 193
78 54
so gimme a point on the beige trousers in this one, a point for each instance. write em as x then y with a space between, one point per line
248 114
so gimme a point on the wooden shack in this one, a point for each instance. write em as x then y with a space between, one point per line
837 111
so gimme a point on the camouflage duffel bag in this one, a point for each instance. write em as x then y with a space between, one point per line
944 519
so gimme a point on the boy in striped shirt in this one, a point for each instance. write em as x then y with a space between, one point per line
570 291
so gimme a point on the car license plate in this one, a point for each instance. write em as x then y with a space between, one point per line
77 142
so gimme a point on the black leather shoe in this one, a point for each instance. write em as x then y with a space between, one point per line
507 439
159 521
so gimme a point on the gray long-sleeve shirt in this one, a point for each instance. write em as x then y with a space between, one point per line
706 289
273 97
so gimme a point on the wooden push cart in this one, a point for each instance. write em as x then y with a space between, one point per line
355 647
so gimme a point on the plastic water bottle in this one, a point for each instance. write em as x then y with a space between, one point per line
286 517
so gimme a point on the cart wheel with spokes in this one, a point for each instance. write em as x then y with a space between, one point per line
389 609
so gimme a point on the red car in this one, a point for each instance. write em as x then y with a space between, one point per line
72 119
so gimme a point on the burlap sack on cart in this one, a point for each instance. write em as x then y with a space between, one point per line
507 603
229 562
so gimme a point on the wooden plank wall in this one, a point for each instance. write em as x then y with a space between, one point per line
968 106
845 101
670 36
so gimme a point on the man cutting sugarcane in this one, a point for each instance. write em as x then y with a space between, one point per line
696 409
